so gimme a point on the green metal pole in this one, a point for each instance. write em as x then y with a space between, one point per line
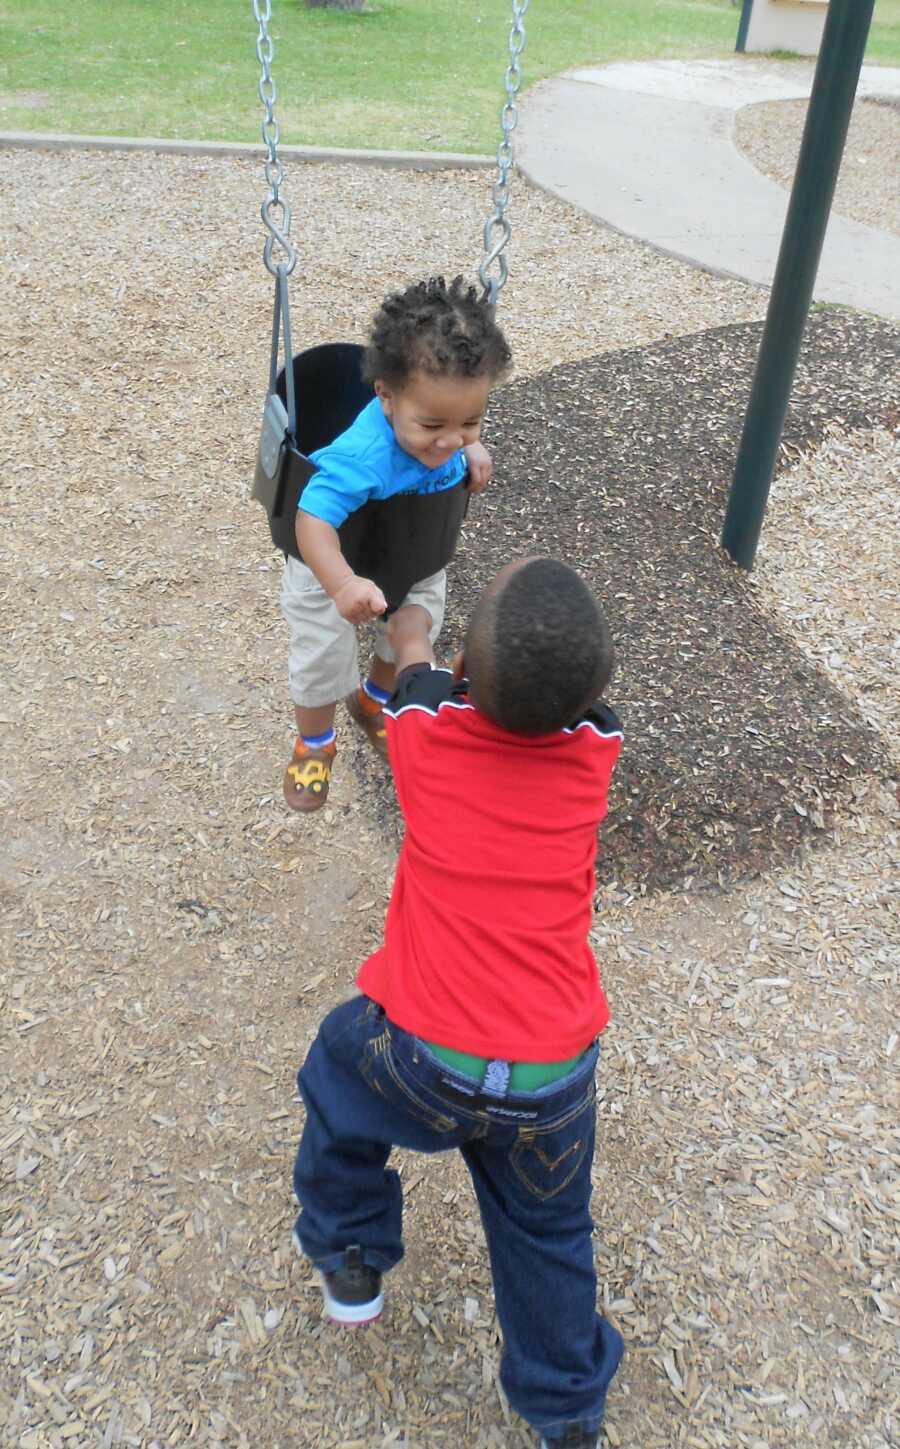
827 119
743 25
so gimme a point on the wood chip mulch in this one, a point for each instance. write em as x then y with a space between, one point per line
769 135
170 935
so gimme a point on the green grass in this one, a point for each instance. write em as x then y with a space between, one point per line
421 74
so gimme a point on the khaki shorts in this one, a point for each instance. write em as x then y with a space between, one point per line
323 663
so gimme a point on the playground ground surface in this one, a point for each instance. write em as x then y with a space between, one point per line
172 936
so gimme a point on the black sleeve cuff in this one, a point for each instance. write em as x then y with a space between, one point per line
422 686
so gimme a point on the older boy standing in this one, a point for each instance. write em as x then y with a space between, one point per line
479 1021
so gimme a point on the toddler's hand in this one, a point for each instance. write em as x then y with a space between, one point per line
480 466
359 600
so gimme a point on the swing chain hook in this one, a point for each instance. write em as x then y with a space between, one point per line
275 212
497 230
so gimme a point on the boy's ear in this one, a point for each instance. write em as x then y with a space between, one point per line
458 667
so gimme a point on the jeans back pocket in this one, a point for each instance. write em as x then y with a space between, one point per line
546 1159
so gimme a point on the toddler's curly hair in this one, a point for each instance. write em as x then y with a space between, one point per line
437 329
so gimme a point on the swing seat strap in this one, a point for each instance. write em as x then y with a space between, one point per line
278 434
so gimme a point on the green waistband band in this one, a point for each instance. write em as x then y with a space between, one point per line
523 1076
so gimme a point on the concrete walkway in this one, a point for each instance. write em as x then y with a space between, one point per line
649 149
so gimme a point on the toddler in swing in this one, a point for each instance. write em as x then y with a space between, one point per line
478 1023
434 353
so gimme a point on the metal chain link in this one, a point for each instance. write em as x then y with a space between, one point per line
497 230
275 212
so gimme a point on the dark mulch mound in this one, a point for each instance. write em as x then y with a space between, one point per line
620 465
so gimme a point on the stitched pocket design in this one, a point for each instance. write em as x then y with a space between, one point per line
546 1159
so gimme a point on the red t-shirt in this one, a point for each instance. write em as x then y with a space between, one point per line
486 939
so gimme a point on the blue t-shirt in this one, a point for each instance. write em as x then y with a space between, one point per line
367 462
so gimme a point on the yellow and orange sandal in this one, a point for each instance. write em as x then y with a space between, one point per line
308 776
368 714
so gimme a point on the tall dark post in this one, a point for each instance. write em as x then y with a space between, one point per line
827 119
743 25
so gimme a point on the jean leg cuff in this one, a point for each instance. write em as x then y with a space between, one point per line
332 1262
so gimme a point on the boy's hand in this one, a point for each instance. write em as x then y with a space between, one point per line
480 466
359 600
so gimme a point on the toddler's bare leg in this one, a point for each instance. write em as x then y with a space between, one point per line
315 721
381 672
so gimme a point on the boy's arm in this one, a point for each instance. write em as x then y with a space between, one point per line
409 631
356 599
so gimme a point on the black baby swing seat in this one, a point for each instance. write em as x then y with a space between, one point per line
395 542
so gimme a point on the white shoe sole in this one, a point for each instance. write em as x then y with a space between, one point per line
351 1313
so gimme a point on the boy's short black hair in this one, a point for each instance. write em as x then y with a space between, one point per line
438 330
538 649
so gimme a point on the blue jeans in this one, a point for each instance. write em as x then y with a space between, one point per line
368 1086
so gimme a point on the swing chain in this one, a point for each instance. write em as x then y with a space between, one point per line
275 212
497 230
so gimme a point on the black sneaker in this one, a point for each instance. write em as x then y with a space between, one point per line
353 1293
573 1439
